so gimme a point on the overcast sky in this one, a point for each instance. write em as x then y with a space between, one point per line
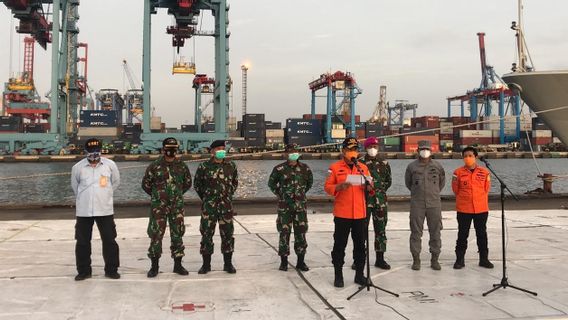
422 50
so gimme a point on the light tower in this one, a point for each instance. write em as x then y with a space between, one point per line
245 68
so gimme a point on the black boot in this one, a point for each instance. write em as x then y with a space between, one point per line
154 269
360 277
338 282
301 265
206 267
460 260
381 263
283 263
228 264
484 260
178 268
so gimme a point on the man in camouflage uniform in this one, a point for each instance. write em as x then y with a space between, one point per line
377 203
216 182
290 181
166 180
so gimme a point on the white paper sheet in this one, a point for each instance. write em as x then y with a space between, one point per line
356 179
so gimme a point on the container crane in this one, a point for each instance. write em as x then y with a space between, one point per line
338 82
380 113
186 13
202 85
133 97
491 90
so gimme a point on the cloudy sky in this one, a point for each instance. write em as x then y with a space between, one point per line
422 50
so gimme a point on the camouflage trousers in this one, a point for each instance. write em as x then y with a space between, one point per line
286 220
207 229
159 216
380 219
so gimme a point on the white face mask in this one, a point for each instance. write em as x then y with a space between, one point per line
372 152
425 154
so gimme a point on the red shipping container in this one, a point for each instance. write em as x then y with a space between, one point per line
541 141
414 139
413 147
426 122
360 134
446 137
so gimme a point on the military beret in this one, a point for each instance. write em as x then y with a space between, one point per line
217 143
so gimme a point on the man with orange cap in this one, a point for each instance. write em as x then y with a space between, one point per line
471 184
349 210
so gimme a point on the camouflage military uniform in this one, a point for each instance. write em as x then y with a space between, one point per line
377 204
290 184
166 182
216 183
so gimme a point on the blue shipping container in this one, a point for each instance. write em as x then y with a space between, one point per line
98 118
296 127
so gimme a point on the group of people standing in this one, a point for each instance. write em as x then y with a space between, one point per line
359 186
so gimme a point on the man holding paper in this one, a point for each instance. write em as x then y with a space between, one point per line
346 184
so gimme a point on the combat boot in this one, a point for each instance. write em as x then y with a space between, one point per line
415 262
178 268
460 260
484 260
154 269
360 277
338 282
227 257
283 263
301 265
434 264
206 267
380 262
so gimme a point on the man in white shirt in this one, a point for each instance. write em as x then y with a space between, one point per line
94 180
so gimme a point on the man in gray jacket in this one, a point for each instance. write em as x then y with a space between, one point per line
425 178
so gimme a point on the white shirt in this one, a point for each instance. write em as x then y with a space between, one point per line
94 187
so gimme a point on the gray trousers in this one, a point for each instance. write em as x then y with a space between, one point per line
434 220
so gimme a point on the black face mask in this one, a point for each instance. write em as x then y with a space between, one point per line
170 152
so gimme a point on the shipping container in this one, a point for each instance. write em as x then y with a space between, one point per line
256 142
415 139
274 133
10 120
253 117
413 147
188 128
419 132
36 127
98 131
98 118
426 122
303 140
390 148
254 133
296 127
360 134
542 134
335 118
132 127
474 140
476 134
338 134
446 128
11 127
273 125
391 141
237 143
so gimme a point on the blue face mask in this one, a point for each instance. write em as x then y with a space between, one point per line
293 156
220 154
93 156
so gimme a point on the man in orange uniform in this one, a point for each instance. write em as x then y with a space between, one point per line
471 184
349 211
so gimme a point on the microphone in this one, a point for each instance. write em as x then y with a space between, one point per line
484 159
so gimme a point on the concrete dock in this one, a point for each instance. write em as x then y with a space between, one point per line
37 267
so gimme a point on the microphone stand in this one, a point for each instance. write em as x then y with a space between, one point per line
504 281
369 283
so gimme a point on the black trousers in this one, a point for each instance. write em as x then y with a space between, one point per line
480 225
343 227
83 235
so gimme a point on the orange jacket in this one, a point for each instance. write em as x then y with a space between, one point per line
471 189
349 203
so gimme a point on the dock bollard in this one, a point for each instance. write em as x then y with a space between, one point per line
547 180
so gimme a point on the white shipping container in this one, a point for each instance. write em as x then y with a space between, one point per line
497 133
97 131
155 123
338 134
476 134
274 133
542 134
446 128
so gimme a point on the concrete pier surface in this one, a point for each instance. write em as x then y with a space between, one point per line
37 267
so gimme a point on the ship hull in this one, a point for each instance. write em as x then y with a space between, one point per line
543 91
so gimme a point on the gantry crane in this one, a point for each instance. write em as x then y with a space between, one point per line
133 97
186 13
338 84
491 90
66 85
202 85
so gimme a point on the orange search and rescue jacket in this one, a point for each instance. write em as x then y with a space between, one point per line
349 203
471 189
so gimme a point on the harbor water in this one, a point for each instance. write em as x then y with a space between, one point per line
519 174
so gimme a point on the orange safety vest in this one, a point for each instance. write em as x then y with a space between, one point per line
349 203
471 189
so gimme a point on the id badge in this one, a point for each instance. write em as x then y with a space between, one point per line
103 180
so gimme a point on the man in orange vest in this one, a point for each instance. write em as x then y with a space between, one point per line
349 210
471 184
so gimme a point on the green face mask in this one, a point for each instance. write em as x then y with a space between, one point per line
220 154
293 156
